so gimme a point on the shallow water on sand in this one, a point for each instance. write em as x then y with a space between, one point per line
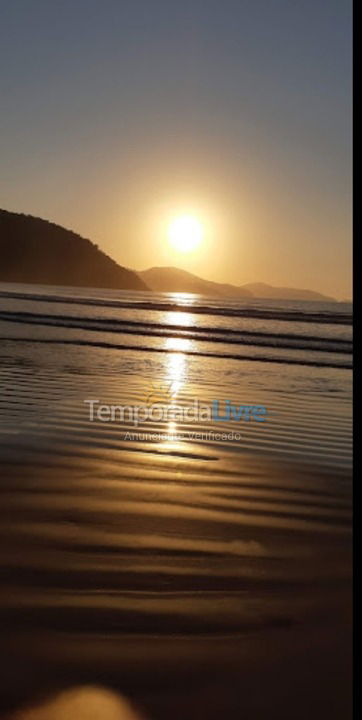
132 551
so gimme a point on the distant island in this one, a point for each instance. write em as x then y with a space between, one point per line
33 250
171 279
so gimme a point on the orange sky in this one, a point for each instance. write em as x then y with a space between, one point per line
118 116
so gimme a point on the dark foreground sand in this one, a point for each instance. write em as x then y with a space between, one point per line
189 608
280 674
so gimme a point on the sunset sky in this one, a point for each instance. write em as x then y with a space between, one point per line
118 116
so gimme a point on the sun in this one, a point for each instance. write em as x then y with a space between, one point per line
185 233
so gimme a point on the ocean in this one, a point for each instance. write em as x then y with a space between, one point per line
176 487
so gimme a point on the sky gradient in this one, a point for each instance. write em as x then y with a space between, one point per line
117 115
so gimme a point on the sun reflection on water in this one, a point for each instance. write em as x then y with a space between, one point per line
176 363
179 318
175 377
183 298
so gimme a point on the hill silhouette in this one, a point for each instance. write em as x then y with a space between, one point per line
33 250
263 290
171 279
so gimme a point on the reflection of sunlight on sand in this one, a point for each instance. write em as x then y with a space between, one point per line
175 376
176 363
170 439
175 373
172 427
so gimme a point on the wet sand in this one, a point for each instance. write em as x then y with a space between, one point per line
200 578
188 609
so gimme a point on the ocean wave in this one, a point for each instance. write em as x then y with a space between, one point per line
285 360
224 335
237 309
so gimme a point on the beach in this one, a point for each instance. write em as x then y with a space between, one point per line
190 548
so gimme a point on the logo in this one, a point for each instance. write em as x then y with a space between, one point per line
161 393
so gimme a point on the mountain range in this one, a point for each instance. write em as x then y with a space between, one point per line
171 279
33 250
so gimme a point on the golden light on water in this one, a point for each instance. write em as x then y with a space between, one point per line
185 233
176 363
179 318
178 344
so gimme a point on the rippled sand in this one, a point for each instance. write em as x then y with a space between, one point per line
201 579
142 575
